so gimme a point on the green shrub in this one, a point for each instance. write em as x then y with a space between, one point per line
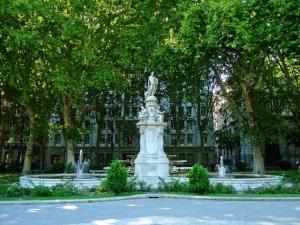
271 189
117 177
64 189
58 167
70 168
221 188
173 186
143 186
198 179
40 191
15 190
277 189
9 178
292 175
294 189
132 184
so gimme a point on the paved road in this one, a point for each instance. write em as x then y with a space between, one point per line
154 212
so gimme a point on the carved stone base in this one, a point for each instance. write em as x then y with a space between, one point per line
151 162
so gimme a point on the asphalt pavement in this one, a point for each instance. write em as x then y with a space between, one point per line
160 211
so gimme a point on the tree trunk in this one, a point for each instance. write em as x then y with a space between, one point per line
30 142
70 151
258 161
66 111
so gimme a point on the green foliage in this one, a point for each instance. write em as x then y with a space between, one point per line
58 167
8 178
40 191
173 186
143 186
117 177
15 190
290 175
277 189
70 168
131 184
198 179
221 188
64 189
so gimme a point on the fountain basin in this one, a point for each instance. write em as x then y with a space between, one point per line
49 180
242 181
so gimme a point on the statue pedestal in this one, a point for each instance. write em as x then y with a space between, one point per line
151 162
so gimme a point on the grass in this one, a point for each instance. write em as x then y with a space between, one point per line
237 195
110 195
91 196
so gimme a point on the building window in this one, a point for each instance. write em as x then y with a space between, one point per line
86 139
191 158
101 158
109 139
102 139
189 124
181 139
190 139
56 159
108 158
181 156
173 139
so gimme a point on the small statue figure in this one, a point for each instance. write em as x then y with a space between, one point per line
152 85
159 115
143 114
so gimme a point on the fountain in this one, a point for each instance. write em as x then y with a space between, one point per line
80 180
81 165
221 168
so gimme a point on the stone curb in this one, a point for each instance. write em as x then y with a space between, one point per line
144 196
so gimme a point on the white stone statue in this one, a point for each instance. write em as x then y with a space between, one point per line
159 115
152 85
143 114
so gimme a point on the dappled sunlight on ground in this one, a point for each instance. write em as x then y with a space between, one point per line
165 208
265 223
68 207
104 222
282 219
33 210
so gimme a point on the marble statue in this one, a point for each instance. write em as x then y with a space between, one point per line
143 114
159 115
152 85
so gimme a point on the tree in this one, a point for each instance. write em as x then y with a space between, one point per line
25 70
